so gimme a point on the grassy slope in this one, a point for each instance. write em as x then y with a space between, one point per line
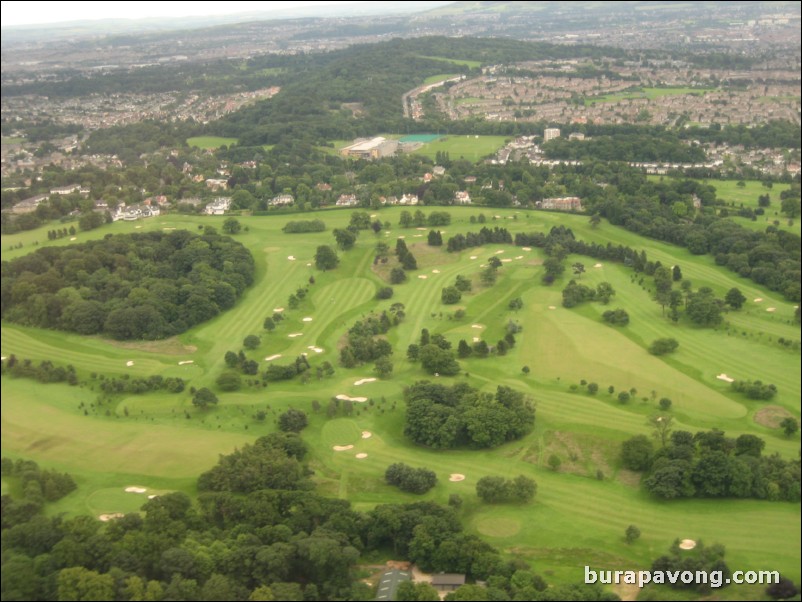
575 519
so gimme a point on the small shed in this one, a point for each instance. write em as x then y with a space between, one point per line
447 582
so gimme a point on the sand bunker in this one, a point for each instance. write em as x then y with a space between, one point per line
295 334
402 237
725 378
129 363
456 477
361 456
137 227
476 339
424 229
185 362
342 447
152 496
168 229
74 238
309 265
278 310
552 307
519 257
473 256
107 517
526 248
423 276
506 260
372 215
598 265
476 326
316 349
2 359
687 544
291 257
759 299
417 236
499 252
362 381
135 489
366 434
342 397
273 357
435 271
307 319
771 309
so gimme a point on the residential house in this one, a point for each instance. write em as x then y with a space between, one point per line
462 197
282 200
347 200
568 203
218 206
447 582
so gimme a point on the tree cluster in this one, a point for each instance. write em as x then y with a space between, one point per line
127 286
498 490
364 343
412 480
444 417
304 226
710 464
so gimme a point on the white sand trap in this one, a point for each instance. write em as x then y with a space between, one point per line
771 309
107 517
137 227
362 381
759 299
423 276
185 362
484 265
526 248
506 260
456 477
687 544
291 257
497 216
307 319
129 363
295 334
272 357
317 349
435 271
2 359
372 215
519 257
552 307
309 265
343 397
417 236
598 265
168 229
473 257
152 496
476 339
342 447
499 252
278 310
386 232
424 229
477 326
135 489
74 238
402 237
366 434
725 378
361 456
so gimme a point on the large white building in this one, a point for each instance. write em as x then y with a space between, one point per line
374 148
551 134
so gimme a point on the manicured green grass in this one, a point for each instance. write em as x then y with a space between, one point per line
575 519
438 78
12 140
466 63
648 93
471 148
210 142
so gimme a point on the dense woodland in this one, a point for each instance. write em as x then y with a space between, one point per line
257 533
127 286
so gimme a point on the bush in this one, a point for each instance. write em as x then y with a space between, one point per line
385 292
663 346
616 317
251 342
412 480
229 381
292 421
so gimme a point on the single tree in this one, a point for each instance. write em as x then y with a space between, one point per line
632 534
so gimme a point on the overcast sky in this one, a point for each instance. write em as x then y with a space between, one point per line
20 12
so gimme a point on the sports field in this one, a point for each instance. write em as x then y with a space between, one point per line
463 62
471 148
648 93
210 142
576 519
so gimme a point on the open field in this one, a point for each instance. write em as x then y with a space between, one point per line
210 142
574 520
472 148
466 63
647 93
438 78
